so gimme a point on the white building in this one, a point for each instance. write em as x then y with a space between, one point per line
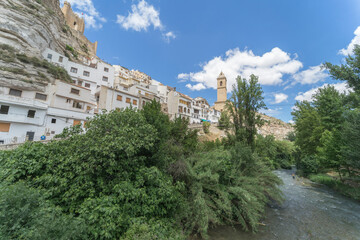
115 99
179 105
22 115
29 115
91 74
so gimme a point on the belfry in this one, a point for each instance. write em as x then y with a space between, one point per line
221 92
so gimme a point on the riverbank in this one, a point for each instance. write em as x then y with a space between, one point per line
347 188
310 211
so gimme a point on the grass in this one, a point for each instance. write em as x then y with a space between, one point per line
337 185
19 71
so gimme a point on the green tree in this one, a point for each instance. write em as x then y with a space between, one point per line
245 102
307 126
224 121
329 104
349 72
350 136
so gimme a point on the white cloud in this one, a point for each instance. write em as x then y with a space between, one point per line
88 11
307 96
196 87
270 67
310 76
142 16
280 97
350 47
291 121
168 36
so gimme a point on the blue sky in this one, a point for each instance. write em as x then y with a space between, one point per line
186 43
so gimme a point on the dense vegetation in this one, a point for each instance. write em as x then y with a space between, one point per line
328 130
138 175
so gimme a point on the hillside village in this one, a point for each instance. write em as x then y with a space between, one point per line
42 105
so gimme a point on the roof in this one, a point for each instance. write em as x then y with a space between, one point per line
221 75
184 96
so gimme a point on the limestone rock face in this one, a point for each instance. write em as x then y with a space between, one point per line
276 127
31 26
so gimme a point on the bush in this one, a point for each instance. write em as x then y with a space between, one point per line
206 127
228 187
24 214
307 165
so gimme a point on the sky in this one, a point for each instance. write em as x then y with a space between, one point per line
186 43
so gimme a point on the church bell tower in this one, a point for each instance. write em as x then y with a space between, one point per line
221 92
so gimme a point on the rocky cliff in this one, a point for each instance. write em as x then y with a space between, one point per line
276 127
27 28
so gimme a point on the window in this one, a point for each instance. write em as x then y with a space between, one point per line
87 85
80 83
53 120
106 69
77 104
220 83
4 127
61 59
4 109
31 113
73 70
52 132
68 100
15 92
128 100
134 102
49 56
75 91
119 98
40 96
2 141
76 122
105 79
86 74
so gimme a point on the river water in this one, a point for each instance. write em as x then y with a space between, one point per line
310 211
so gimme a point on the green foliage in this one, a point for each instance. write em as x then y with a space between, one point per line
206 127
329 104
152 229
56 71
291 136
25 214
308 127
72 50
349 71
227 189
19 71
276 154
345 189
307 164
246 100
350 135
132 175
224 121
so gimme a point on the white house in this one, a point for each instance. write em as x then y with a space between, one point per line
22 115
91 74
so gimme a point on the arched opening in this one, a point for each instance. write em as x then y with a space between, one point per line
74 23
220 83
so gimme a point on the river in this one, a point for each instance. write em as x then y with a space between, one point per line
310 211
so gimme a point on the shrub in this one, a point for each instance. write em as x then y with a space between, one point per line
24 214
206 127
